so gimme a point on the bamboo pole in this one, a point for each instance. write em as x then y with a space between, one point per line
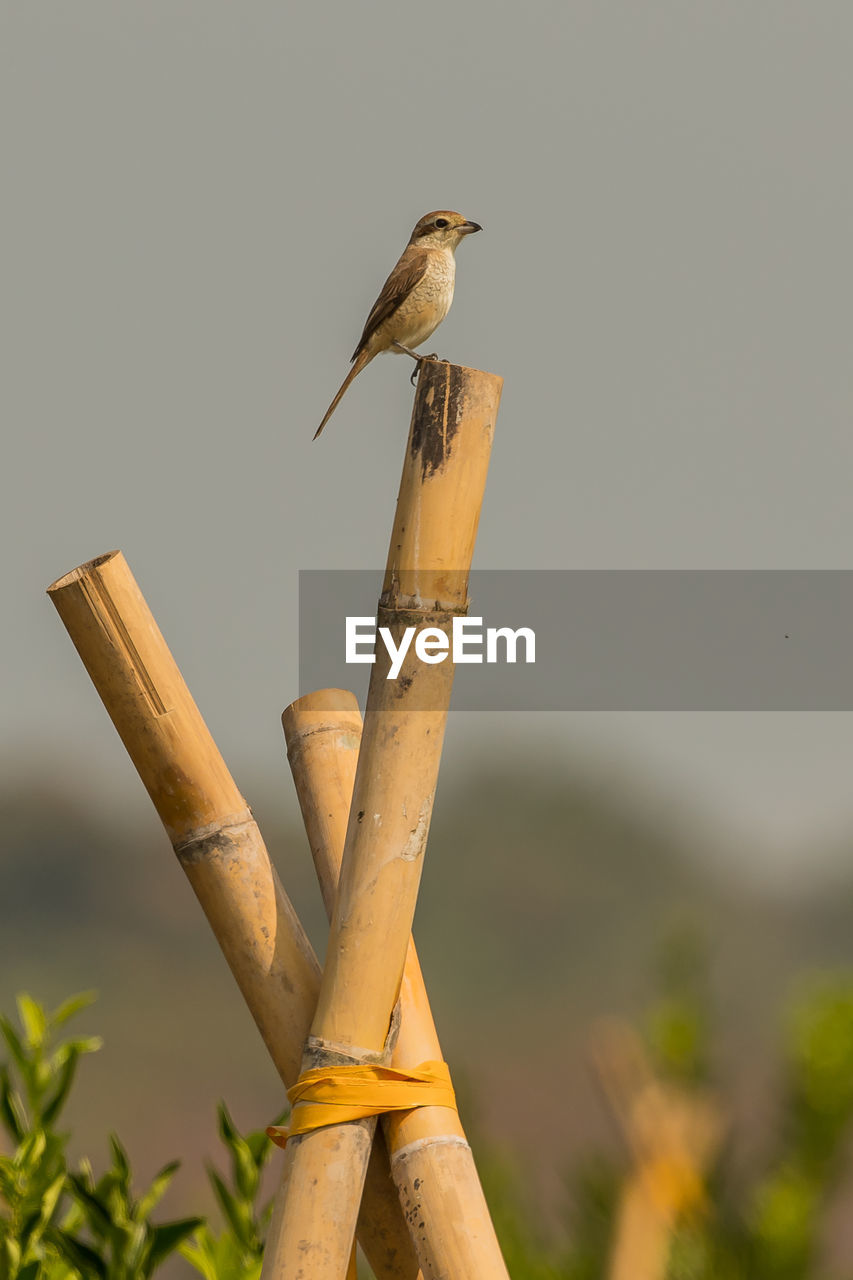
642 1236
426 584
431 1161
672 1134
216 840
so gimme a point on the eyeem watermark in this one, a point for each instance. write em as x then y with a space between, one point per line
608 640
468 641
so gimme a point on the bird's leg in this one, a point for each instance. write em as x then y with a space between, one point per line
416 356
407 351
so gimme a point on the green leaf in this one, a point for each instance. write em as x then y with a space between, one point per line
114 1199
167 1237
71 1006
136 1237
91 1204
239 1217
157 1189
246 1176
244 1165
39 1082
121 1161
227 1130
12 1256
83 1044
73 1217
65 1079
7 1179
27 1228
199 1254
73 1049
30 1271
33 1020
260 1145
31 1150
15 1046
12 1113
54 1150
50 1198
79 1254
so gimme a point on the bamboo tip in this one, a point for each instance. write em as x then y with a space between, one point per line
82 571
323 700
433 366
333 710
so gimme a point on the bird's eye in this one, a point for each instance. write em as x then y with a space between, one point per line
442 222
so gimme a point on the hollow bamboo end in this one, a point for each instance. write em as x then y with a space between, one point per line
429 366
139 683
322 700
82 571
324 710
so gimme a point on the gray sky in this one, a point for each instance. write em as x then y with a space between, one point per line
201 200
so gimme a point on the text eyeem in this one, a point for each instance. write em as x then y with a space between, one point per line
468 641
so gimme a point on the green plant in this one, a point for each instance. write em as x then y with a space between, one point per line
594 1194
34 1085
236 1253
789 1201
770 1231
56 1224
120 1242
527 1253
678 1024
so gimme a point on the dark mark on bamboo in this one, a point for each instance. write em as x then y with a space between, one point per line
219 844
437 414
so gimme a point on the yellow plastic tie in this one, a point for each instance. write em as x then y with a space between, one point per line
336 1094
674 1185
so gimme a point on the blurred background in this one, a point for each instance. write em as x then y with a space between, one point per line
201 201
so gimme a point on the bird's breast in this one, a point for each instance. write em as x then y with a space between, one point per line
428 303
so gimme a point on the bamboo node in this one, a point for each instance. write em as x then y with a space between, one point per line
190 849
413 611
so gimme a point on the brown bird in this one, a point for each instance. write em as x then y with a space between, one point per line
416 296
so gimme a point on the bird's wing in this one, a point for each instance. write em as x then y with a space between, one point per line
402 280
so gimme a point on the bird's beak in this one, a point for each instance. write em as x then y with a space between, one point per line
468 228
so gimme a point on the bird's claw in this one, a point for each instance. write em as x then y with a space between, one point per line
420 360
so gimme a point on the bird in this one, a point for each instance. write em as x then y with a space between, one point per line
416 296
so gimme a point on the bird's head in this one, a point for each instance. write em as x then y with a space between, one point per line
442 229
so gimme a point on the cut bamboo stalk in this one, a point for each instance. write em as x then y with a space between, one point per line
216 840
642 1236
426 584
431 1161
672 1134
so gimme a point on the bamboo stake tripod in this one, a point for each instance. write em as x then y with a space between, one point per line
443 1224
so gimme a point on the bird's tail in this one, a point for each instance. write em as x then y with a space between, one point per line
361 359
